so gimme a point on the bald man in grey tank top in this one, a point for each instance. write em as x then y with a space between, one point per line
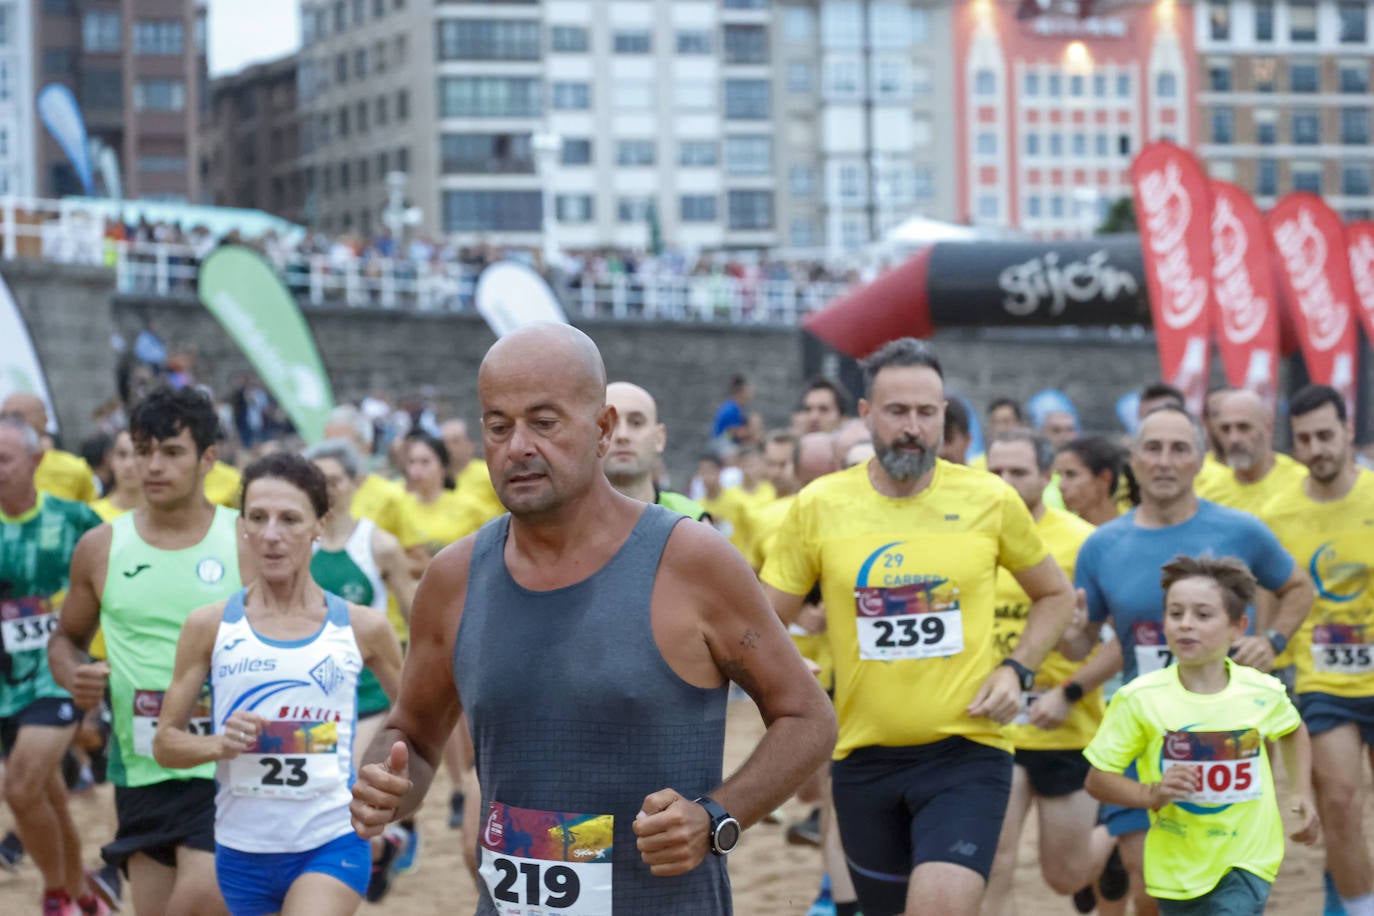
591 640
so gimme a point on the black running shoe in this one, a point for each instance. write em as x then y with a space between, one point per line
1115 882
1085 899
807 832
379 883
11 851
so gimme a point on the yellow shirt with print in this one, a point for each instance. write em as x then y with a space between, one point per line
1191 845
1285 476
1333 650
1063 533
909 586
222 485
65 476
728 512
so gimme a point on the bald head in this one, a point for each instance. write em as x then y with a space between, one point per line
815 457
1244 428
627 396
30 407
850 433
638 442
563 356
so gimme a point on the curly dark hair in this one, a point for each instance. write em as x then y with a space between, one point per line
164 412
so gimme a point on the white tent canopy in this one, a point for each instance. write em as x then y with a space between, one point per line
920 230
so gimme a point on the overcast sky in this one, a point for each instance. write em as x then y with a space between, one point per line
243 32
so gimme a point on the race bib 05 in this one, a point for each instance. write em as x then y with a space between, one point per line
1227 764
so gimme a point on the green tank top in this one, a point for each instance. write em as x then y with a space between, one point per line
35 558
336 571
148 595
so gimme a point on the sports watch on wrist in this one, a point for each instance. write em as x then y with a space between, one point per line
1277 640
1073 691
725 830
1023 674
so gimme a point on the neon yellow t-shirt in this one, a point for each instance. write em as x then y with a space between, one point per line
1285 476
1233 822
436 525
1333 650
1063 534
909 585
65 476
222 485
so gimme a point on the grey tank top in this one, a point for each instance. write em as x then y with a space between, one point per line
575 712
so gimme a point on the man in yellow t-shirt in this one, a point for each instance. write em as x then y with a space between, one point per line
1327 522
59 473
906 550
1254 473
1060 715
470 473
725 505
376 498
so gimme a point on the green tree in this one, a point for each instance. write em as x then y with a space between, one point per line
1120 217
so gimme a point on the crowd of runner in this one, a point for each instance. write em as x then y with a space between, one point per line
269 661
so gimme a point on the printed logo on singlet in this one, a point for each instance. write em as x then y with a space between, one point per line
353 591
130 573
210 570
328 675
1337 580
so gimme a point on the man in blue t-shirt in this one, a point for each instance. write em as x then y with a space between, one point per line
1119 568
731 420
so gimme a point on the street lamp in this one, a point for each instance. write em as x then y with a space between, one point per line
546 147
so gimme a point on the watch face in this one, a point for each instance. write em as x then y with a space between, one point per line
727 835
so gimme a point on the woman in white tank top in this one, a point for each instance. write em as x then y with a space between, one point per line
282 658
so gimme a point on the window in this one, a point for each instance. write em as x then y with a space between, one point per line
695 95
403 104
486 97
1352 14
799 78
1219 19
1057 206
57 62
697 153
988 207
842 24
1302 20
1100 146
341 69
1355 179
1078 145
1099 85
486 153
382 110
698 208
890 24
343 121
922 82
1053 85
751 209
986 143
851 184
843 77
489 39
1264 71
1076 86
984 83
634 152
57 8
801 180
1307 176
1030 85
102 32
636 41
1306 127
1166 85
632 95
1123 144
746 44
568 96
746 100
1264 20
803 233
1303 76
162 164
574 208
1033 206
360 63
746 4
159 95
403 159
159 36
798 24
1354 126
576 151
1354 77
1056 144
748 155
1267 177
1223 125
1123 86
633 209
891 78
570 39
360 117
1266 126
1219 76
345 176
492 211
1032 144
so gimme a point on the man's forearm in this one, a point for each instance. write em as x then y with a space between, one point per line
1047 620
420 771
63 659
1294 603
787 754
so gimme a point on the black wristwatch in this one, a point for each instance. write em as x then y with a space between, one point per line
1277 640
725 829
1073 691
1023 674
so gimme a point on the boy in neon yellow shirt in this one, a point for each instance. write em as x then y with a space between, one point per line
1198 730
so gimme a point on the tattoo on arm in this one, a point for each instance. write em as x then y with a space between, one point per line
749 640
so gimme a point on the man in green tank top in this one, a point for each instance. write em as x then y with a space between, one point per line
137 579
637 448
38 533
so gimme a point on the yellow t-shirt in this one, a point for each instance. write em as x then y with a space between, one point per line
1213 469
909 586
65 476
1063 533
474 485
1285 476
380 499
729 513
222 485
1234 822
1333 650
436 525
764 523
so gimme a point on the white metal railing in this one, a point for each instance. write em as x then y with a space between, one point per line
62 231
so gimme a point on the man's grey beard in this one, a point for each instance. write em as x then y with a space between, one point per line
905 466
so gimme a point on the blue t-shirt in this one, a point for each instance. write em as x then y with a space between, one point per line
728 417
1118 567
